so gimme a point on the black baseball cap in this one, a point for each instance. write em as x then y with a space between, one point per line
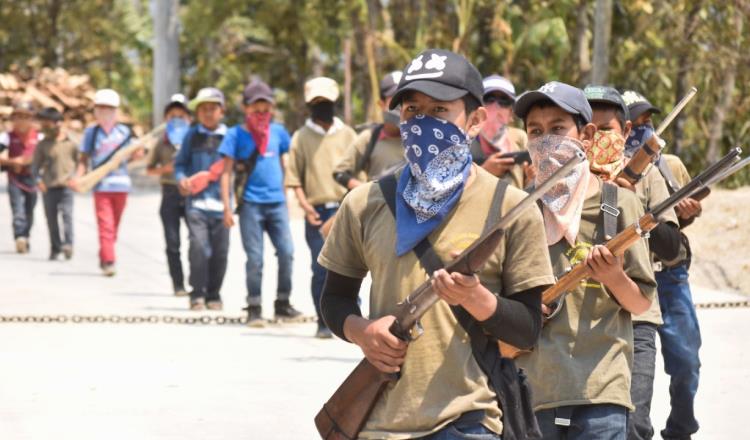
638 104
389 84
606 95
257 90
440 74
49 114
569 98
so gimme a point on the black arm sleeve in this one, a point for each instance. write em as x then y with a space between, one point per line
664 241
339 300
343 178
517 319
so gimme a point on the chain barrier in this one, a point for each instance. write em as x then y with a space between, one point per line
148 319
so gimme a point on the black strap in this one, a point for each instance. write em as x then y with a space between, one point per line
609 210
672 184
374 137
92 144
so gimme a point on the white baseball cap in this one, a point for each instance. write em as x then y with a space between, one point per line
107 97
321 87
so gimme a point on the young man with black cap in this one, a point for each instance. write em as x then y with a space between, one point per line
315 150
209 238
260 146
607 159
497 137
580 370
445 199
680 334
376 150
161 163
54 163
22 141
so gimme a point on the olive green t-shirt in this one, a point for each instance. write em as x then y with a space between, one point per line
440 379
652 190
163 154
585 353
387 153
678 169
55 161
312 158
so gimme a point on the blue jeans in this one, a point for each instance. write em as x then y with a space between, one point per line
209 246
58 202
680 342
642 385
272 218
587 422
172 209
467 427
315 242
22 204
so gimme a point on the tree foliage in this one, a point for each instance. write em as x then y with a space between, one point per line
658 48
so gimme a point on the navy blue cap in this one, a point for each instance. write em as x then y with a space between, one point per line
606 95
569 98
440 74
638 104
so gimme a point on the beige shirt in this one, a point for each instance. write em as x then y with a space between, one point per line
312 158
440 379
55 161
585 353
388 152
163 154
652 190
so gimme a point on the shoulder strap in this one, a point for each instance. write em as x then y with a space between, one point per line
365 160
609 210
113 152
665 171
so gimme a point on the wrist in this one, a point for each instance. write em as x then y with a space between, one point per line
354 327
481 303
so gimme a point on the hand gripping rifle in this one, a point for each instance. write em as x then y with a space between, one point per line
346 412
630 235
651 149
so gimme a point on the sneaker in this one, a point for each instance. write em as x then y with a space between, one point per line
108 269
255 317
180 291
214 305
197 304
22 245
54 256
324 333
67 250
284 311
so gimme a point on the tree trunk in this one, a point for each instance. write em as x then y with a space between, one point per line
166 80
729 74
602 33
348 81
582 43
684 66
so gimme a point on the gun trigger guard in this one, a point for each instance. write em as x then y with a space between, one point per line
416 331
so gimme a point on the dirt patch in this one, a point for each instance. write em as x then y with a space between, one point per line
720 240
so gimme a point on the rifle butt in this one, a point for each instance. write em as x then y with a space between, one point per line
509 351
346 412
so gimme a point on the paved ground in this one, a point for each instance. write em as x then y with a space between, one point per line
118 381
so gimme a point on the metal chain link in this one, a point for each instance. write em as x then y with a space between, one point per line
147 319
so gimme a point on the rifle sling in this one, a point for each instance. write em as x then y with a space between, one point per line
609 210
92 144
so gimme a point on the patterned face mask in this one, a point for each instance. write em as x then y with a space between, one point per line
563 203
638 136
438 164
605 155
176 130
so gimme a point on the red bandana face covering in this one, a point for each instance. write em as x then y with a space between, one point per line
259 124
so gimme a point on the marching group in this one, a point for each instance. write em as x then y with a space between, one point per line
448 141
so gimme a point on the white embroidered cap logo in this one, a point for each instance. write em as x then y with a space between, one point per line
630 97
436 64
547 88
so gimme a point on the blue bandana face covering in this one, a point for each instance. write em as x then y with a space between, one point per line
439 162
176 129
638 136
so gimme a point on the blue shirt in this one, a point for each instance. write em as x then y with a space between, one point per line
194 157
266 183
103 146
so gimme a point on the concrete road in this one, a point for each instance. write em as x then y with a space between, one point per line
160 381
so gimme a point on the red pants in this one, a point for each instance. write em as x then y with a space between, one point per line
109 207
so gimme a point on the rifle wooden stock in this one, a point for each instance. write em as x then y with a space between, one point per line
645 155
630 235
346 412
90 179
